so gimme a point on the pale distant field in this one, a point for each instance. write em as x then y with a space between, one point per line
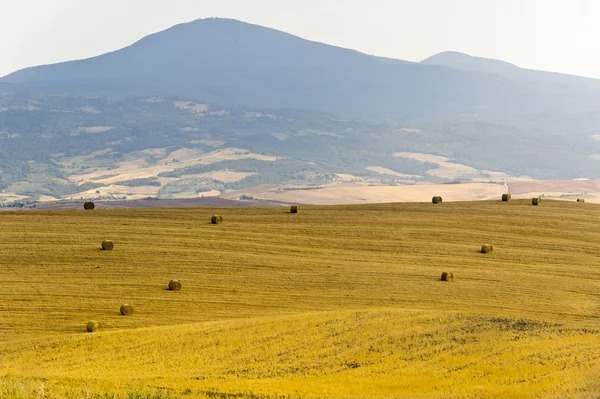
445 167
558 189
385 171
139 168
337 194
332 302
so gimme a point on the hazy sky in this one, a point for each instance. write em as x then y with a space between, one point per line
555 35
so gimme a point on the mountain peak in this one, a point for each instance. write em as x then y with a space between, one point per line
457 60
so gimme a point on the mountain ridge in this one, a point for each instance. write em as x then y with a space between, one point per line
236 63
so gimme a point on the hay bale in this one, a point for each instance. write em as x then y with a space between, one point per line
536 201
447 276
580 200
294 209
88 206
93 326
107 245
126 310
216 219
436 200
506 197
487 249
174 285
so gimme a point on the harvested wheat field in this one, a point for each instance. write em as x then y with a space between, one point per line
335 302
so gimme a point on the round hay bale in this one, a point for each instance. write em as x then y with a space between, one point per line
506 197
436 200
580 200
107 245
126 310
536 201
294 209
487 249
174 285
88 206
93 326
216 219
447 276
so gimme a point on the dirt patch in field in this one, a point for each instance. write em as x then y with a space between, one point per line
96 129
117 190
9 197
445 169
193 194
385 171
158 152
569 190
141 169
226 176
184 154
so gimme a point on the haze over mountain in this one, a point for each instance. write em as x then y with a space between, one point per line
235 63
219 105
467 62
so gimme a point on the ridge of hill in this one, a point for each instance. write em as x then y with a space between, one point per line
230 62
466 62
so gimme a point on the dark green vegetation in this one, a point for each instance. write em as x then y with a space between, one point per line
46 138
263 87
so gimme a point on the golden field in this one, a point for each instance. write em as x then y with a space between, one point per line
342 301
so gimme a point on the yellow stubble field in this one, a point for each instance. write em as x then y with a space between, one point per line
340 301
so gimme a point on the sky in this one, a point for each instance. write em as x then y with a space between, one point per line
553 35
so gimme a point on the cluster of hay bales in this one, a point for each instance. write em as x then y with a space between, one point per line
436 200
216 219
506 197
536 201
294 209
88 206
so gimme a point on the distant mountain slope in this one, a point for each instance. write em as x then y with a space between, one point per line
465 62
231 62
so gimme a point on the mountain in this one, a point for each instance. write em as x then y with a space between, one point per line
465 62
219 105
234 63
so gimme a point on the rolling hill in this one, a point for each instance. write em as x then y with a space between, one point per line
575 85
74 147
308 305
